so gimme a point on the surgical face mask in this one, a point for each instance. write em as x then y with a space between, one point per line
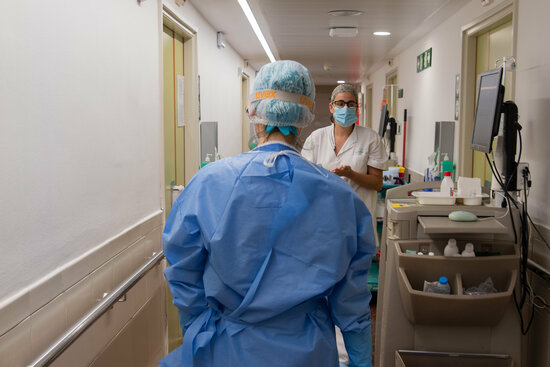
345 116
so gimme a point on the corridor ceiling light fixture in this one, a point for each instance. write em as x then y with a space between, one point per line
341 81
381 33
345 13
343 31
252 20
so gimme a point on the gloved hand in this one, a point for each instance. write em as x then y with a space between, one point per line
359 347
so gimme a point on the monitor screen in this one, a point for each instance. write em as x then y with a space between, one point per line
383 120
489 102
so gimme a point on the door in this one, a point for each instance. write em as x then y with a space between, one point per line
391 97
491 45
246 125
391 93
368 107
174 130
174 135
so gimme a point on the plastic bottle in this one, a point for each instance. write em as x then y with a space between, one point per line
469 250
447 185
447 164
450 249
206 160
441 286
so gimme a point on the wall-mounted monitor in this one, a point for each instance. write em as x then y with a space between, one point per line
488 109
384 117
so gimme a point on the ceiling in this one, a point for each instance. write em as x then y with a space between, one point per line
299 30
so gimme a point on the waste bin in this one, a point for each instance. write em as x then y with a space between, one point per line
417 358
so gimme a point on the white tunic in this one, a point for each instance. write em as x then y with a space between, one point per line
362 148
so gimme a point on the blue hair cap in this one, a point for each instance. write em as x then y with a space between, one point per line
287 76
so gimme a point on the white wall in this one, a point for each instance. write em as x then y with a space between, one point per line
429 95
80 122
321 111
533 100
220 82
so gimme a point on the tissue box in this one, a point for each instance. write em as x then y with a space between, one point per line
469 186
469 191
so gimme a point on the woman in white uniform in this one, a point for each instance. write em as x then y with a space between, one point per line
353 152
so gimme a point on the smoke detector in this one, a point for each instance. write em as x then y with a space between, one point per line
343 31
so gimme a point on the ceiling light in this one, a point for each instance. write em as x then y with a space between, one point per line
381 33
345 13
341 81
343 31
252 20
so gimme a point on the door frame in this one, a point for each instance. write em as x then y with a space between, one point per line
500 14
191 87
245 121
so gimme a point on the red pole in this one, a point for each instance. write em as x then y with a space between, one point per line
404 134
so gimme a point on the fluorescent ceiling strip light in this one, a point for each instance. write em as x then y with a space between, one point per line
252 20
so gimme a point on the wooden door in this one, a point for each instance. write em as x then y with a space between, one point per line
491 45
174 130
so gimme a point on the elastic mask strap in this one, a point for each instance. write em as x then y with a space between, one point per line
282 96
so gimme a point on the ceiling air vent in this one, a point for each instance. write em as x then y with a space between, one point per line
343 31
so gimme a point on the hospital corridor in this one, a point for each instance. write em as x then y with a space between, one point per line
274 183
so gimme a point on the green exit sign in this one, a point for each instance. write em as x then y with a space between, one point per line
424 60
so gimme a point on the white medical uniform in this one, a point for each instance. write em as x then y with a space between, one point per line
362 148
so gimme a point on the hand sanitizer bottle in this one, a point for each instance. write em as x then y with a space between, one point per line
206 160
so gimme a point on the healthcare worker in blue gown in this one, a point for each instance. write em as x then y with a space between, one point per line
266 251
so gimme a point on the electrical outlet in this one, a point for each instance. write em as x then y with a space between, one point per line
522 166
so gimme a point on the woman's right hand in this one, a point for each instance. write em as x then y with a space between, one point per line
345 171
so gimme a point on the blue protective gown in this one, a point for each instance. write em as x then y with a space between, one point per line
264 260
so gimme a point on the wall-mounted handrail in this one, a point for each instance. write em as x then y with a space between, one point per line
65 340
